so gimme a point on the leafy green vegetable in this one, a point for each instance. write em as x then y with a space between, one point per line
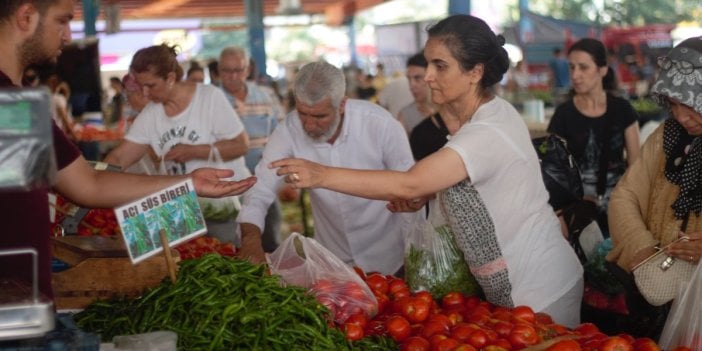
218 212
439 267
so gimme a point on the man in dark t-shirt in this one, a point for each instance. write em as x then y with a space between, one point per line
32 32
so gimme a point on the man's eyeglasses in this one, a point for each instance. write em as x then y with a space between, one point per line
682 66
231 70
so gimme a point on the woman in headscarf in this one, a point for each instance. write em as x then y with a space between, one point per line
659 198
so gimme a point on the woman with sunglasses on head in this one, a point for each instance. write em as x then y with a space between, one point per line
598 125
660 196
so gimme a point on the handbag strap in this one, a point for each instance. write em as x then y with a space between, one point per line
604 160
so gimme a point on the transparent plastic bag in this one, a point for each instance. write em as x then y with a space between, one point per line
304 262
219 209
27 158
684 324
433 260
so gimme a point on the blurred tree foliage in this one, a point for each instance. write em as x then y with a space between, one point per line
620 12
216 40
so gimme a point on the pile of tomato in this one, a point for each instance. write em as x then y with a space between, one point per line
98 221
203 245
419 322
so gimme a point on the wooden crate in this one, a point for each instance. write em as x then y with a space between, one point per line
101 269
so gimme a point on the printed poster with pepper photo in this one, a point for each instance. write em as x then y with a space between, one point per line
175 210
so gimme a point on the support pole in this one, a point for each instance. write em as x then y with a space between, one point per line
167 254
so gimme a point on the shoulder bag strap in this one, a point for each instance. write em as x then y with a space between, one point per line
604 160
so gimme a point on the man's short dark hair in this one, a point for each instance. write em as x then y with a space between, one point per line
8 7
417 60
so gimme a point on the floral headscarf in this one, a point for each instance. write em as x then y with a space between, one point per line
680 78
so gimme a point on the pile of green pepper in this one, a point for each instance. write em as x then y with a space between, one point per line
221 303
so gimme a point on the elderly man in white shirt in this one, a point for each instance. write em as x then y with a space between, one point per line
331 129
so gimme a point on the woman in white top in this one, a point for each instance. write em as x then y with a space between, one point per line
487 177
182 123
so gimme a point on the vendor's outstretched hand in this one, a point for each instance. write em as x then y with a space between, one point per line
300 173
208 182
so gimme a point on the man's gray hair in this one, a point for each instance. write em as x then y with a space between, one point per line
318 80
235 51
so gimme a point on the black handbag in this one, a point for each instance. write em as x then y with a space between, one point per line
560 172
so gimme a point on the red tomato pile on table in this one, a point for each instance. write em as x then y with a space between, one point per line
202 245
418 322
98 221
344 298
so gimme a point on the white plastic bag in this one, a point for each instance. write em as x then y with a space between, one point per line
684 324
219 209
433 260
304 262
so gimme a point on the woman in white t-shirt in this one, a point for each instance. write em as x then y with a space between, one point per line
487 177
182 123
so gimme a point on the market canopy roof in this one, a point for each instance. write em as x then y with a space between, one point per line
335 10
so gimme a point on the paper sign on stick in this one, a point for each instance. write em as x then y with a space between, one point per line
174 210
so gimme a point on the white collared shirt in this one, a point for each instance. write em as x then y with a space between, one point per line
359 231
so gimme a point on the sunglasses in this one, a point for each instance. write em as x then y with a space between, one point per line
682 66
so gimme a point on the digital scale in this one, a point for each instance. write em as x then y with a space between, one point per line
23 312
26 162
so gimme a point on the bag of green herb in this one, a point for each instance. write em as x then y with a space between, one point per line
433 261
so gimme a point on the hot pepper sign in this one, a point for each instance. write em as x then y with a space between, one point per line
174 210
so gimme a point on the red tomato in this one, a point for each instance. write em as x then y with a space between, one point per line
415 310
502 315
382 300
353 332
436 338
397 284
431 328
376 327
471 301
586 329
682 348
462 331
464 347
377 282
398 328
479 317
401 293
615 343
543 318
354 291
447 344
478 339
440 319
645 344
358 318
415 343
565 345
323 286
627 337
524 313
454 317
452 299
523 335
496 348
502 328
498 345
424 295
